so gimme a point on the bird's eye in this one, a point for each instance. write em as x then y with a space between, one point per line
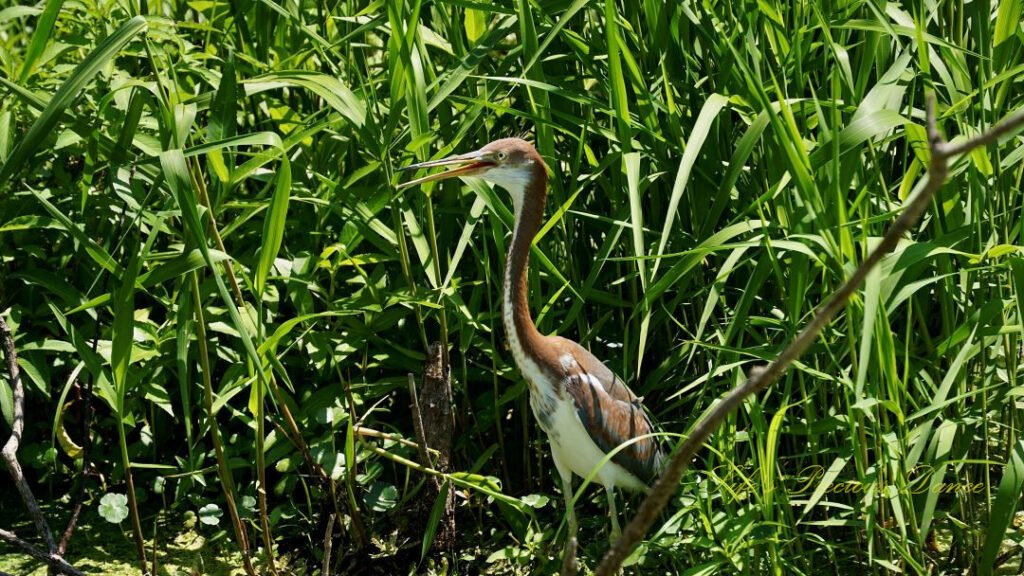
501 156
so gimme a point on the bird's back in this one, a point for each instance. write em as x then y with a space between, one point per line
610 412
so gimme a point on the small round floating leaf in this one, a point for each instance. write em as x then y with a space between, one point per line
381 497
210 514
535 500
114 508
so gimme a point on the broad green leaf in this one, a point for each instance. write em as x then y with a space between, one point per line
1003 509
40 37
435 518
269 345
381 497
274 225
124 330
712 107
169 270
177 174
223 115
210 514
1017 275
476 24
336 94
1008 21
98 254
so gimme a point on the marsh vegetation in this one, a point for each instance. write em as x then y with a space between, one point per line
213 284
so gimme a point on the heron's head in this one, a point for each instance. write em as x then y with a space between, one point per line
510 163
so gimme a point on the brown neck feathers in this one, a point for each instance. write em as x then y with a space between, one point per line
529 217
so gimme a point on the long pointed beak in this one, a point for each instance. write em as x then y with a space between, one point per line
468 164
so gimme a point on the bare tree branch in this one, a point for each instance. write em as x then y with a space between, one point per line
10 454
10 449
761 378
985 138
53 560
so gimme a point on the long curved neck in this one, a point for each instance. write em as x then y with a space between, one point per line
529 212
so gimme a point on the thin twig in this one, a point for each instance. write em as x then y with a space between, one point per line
53 560
85 395
10 454
10 449
985 138
761 378
79 499
417 422
327 546
372 433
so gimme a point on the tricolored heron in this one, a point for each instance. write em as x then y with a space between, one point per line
585 409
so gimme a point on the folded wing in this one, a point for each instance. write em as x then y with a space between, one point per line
612 415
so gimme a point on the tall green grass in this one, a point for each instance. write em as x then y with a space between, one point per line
197 217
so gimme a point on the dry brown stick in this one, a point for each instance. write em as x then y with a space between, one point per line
432 406
326 571
53 560
372 433
10 449
10 454
758 380
417 423
79 499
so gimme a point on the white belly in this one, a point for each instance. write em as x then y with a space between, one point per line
574 450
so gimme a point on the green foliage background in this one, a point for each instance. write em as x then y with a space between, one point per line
200 194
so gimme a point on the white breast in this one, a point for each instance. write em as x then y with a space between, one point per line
573 449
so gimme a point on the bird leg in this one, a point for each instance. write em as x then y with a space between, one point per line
569 508
613 513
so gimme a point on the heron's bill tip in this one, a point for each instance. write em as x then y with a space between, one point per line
469 164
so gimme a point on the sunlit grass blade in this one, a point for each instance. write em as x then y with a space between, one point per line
1007 497
40 38
68 92
701 128
274 225
120 357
